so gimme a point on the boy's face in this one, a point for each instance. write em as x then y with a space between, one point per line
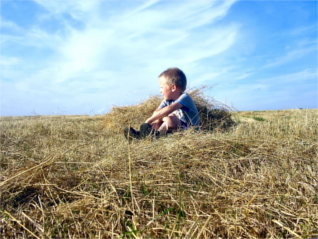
165 89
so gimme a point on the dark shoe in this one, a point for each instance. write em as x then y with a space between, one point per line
133 134
146 129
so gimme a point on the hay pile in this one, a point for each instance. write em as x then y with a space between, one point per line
61 177
213 114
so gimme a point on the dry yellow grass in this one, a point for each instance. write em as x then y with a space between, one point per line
66 176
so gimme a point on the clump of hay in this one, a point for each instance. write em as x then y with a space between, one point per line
213 114
121 117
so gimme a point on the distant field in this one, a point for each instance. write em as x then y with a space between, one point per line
72 176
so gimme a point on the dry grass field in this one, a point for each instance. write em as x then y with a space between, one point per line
78 177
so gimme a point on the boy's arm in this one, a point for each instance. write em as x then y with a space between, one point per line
160 113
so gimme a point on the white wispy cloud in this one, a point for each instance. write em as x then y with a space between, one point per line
296 77
12 26
272 92
290 56
77 9
9 61
118 40
301 30
112 55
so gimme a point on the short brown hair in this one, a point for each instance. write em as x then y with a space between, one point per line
175 76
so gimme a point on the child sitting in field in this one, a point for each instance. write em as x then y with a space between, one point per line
177 110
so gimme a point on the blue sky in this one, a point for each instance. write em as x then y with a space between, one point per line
82 57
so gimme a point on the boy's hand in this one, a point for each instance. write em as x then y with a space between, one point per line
159 114
152 122
153 115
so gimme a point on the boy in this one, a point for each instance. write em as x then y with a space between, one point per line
177 110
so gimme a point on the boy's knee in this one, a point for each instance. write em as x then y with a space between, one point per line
172 122
156 125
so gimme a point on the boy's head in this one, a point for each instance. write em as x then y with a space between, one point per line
175 76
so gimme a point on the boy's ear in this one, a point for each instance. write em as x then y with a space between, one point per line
173 88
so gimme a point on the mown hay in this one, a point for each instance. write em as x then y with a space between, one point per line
61 177
213 114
